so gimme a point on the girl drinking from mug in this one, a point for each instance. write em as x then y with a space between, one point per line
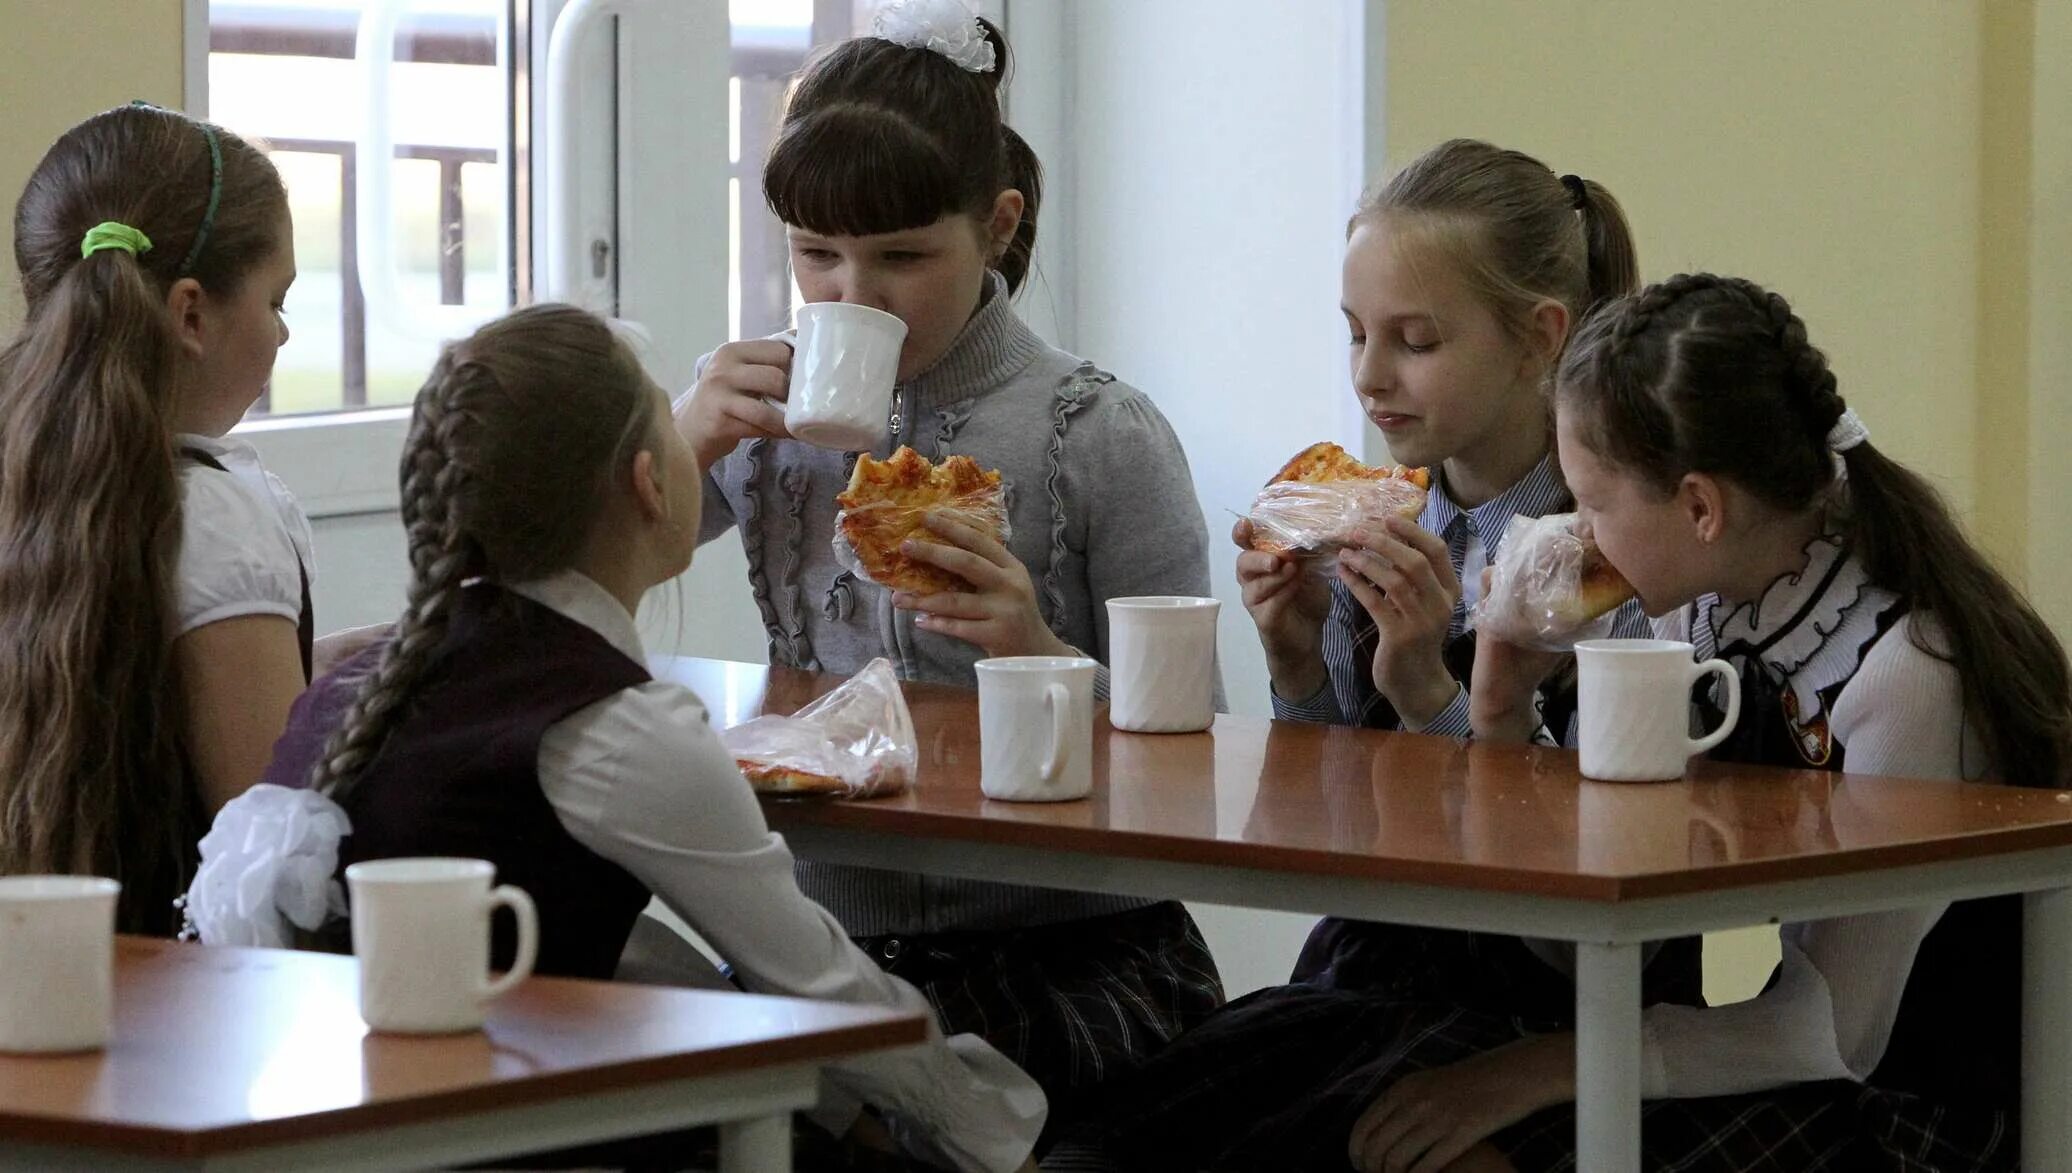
903 190
1714 458
1462 275
511 718
155 622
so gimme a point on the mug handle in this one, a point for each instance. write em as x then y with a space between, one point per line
1732 679
1058 699
528 918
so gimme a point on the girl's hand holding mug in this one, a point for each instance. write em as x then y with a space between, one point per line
739 397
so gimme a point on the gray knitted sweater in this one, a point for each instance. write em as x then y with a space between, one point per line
1100 503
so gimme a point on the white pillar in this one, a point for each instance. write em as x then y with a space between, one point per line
2047 1030
1608 1058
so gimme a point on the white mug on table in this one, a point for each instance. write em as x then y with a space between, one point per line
1036 722
844 362
1162 663
421 932
57 961
1633 704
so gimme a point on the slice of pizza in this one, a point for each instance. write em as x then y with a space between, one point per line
1549 585
770 778
1313 505
1599 589
888 502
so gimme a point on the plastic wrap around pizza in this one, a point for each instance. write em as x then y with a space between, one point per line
888 502
1312 506
1550 586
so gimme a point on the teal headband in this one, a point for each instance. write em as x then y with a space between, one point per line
208 216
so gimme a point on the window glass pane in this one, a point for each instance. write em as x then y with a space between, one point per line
284 71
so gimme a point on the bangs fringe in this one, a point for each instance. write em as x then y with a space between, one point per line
852 170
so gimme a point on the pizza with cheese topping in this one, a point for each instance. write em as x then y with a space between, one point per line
888 502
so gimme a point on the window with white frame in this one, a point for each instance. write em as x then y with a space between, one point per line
378 292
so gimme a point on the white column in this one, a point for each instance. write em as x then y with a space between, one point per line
1608 1058
2047 1030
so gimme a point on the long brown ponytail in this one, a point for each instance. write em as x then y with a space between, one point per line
1716 374
514 442
93 768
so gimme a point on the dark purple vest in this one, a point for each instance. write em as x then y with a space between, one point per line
459 774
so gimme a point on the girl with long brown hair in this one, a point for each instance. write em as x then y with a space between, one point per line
154 615
510 717
901 188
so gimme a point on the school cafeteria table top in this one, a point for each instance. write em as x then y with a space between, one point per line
1434 831
257 1059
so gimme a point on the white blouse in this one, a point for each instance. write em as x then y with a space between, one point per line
642 779
243 540
1901 714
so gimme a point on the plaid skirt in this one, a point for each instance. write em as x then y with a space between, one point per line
1072 1004
1274 1083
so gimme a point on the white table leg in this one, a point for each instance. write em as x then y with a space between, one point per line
2047 1029
761 1145
1608 1058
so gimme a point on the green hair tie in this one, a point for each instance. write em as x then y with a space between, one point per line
110 234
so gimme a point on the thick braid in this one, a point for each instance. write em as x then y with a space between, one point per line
1805 362
442 557
1642 309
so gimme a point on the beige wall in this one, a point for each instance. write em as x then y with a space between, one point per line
1874 160
61 60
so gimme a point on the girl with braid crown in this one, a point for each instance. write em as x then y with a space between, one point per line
511 717
1721 471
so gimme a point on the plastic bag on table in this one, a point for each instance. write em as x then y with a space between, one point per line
888 502
1311 521
855 742
1549 587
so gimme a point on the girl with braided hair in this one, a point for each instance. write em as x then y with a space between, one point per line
1721 471
511 717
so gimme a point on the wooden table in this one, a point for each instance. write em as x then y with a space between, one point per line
233 1059
1508 839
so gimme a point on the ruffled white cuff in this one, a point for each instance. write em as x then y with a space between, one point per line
268 866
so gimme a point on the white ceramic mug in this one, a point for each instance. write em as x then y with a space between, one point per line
1162 663
57 962
1633 700
421 932
1036 728
843 365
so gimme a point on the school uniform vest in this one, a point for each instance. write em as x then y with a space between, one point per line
1957 1038
459 775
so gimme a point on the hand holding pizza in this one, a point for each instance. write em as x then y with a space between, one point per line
739 396
996 606
1402 576
1288 605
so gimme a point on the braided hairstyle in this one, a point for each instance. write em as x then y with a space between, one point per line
1516 232
1711 374
516 439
